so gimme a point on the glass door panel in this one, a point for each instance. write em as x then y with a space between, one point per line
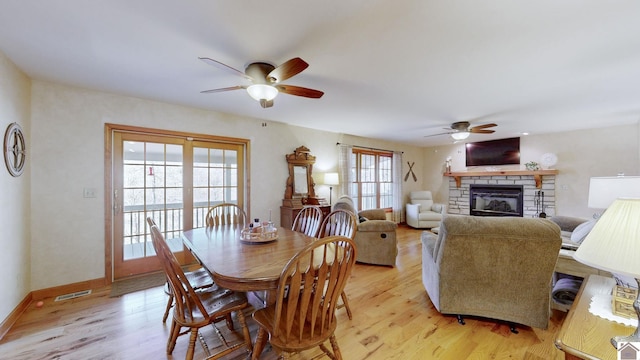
216 177
151 185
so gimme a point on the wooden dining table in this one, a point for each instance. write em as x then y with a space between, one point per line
240 265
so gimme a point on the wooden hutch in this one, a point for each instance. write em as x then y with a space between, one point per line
300 190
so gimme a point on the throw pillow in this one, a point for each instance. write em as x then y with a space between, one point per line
581 231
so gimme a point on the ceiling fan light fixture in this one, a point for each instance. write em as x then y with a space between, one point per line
262 92
461 135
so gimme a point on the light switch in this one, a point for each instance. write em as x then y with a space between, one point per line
89 192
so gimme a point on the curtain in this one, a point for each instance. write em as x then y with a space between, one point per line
396 215
344 169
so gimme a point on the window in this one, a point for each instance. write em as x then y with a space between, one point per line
373 179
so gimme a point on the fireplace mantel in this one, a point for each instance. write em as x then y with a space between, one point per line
537 174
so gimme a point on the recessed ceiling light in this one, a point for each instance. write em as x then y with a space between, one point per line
525 133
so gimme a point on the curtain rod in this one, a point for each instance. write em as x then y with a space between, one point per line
368 148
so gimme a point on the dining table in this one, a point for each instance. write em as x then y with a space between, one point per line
242 265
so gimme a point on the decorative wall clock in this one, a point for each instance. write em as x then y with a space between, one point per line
548 160
15 149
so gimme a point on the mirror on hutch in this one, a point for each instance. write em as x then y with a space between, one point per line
300 187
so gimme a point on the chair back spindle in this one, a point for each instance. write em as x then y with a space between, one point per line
339 222
308 221
226 214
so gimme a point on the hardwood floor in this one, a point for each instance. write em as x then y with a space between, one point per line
393 319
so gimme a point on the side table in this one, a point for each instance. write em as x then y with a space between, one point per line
587 336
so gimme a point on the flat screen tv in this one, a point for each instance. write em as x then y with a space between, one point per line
494 152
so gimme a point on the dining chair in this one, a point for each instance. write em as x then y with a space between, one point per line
308 221
226 214
195 310
343 223
198 278
305 318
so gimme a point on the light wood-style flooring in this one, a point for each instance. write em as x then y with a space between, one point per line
393 319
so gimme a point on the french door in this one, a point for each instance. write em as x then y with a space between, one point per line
174 180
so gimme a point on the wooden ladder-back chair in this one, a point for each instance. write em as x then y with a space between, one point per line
340 222
226 214
195 310
198 278
308 221
303 319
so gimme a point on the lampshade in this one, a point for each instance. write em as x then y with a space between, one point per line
331 178
262 92
614 242
604 190
461 135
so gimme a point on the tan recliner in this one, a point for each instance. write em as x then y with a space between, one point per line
422 212
493 267
375 237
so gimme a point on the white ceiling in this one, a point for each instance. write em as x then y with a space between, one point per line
394 70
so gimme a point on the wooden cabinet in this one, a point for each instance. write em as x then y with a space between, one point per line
288 214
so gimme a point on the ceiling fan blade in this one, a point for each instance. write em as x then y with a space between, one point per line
481 131
218 64
288 69
300 91
447 133
484 126
223 89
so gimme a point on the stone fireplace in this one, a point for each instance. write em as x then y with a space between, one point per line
461 201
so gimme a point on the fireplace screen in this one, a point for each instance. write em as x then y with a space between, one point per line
495 200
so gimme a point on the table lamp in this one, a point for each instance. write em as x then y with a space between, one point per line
603 190
614 245
331 179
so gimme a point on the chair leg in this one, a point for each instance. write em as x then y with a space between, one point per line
229 321
345 301
245 331
166 310
173 337
261 341
336 349
192 344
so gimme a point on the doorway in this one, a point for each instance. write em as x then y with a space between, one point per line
173 178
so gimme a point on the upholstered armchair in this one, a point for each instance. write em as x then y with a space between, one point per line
375 236
492 267
422 212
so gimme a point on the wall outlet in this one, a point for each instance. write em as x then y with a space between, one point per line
89 192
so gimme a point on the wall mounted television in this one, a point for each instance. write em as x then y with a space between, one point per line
493 152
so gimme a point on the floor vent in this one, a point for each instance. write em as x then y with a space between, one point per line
73 295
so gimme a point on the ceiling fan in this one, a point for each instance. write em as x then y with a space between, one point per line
266 80
461 130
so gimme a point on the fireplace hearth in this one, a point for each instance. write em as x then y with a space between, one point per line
495 200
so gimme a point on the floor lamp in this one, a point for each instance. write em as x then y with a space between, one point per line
614 242
331 179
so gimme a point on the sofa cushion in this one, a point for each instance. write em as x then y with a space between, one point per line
377 225
429 241
373 214
581 231
429 216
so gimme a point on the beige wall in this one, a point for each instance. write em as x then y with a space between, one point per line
14 193
68 131
581 155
